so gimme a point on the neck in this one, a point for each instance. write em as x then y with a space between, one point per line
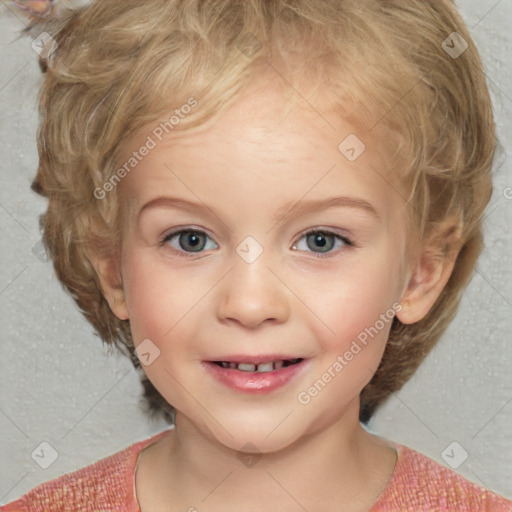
341 462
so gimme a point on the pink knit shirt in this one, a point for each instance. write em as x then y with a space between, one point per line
418 483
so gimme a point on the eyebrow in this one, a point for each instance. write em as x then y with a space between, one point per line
298 207
311 205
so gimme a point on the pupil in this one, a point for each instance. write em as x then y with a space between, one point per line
319 240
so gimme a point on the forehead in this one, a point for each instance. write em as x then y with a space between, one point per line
270 139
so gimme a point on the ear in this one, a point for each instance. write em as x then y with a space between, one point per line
430 272
112 287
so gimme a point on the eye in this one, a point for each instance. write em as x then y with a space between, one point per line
188 241
322 242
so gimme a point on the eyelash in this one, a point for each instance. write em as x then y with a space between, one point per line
347 241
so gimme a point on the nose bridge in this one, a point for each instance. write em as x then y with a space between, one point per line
251 293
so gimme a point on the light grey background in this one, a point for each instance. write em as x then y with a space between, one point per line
60 386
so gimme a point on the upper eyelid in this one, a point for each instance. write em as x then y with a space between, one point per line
180 229
330 231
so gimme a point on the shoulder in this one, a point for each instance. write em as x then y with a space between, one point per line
105 485
420 483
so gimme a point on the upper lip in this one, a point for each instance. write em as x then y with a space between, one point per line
255 359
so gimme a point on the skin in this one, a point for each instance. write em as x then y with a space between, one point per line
246 165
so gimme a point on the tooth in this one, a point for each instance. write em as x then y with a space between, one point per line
233 366
265 367
247 367
278 365
224 364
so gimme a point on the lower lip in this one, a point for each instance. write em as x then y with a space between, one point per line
254 382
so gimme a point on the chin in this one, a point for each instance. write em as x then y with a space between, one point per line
255 436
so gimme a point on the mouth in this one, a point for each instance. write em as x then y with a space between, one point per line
256 374
262 367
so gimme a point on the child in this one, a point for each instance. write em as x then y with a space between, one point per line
253 131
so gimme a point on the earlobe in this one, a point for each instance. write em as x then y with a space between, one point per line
112 286
117 304
428 279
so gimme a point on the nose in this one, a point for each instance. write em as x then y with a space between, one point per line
252 294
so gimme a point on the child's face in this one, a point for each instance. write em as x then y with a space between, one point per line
207 300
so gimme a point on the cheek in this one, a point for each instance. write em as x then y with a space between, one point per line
359 311
357 306
360 319
155 298
166 305
164 308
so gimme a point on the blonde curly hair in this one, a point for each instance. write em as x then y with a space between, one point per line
118 66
